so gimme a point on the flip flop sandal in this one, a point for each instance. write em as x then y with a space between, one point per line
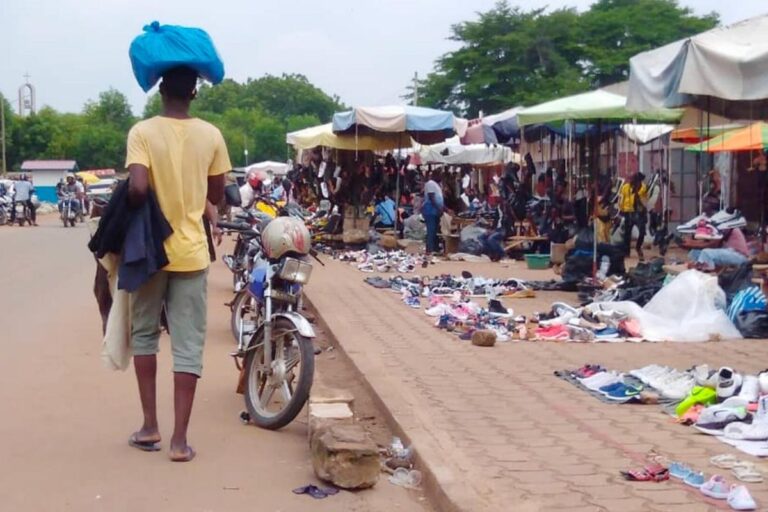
316 492
652 473
145 446
724 461
747 472
188 455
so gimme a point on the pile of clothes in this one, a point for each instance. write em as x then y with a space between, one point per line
702 227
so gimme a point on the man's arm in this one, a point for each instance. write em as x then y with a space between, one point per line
138 185
212 214
216 186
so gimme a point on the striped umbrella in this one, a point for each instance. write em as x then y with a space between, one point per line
749 138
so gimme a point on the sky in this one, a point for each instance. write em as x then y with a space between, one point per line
365 51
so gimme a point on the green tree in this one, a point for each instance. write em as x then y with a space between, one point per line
112 108
509 56
616 30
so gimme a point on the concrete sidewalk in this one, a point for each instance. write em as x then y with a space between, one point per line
494 430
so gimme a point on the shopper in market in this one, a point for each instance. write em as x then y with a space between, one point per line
432 209
633 199
384 212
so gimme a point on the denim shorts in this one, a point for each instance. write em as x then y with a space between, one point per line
184 295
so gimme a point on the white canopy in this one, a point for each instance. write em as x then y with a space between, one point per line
725 63
276 168
645 133
474 154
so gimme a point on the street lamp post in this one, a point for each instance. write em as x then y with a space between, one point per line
2 129
245 152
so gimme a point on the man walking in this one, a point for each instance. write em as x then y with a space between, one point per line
183 160
633 197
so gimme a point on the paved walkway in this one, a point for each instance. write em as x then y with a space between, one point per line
494 429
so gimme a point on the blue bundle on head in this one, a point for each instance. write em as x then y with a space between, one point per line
163 47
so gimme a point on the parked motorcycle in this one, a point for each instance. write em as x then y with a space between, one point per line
70 206
6 203
275 354
22 213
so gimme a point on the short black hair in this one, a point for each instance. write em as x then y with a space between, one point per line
179 83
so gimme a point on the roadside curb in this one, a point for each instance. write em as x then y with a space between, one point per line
444 488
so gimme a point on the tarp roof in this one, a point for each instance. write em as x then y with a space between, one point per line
474 154
323 135
723 70
596 105
48 165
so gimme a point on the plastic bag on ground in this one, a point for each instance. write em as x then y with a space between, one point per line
162 47
690 308
471 240
753 324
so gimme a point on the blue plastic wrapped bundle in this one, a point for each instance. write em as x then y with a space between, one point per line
162 47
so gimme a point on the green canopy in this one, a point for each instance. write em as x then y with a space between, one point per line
594 106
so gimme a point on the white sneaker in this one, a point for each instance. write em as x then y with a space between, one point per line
750 388
728 382
606 379
763 379
439 310
679 389
641 372
740 499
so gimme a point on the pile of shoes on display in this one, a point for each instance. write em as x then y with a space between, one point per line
393 261
719 402
711 228
465 285
592 323
606 385
448 299
658 469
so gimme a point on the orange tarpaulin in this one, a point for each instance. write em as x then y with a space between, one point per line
749 138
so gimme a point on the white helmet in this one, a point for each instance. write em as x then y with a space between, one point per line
285 235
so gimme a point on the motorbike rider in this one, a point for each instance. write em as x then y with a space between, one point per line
69 188
23 190
251 190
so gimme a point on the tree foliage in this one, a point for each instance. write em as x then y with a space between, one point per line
510 56
254 115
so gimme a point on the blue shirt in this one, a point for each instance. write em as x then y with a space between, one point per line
385 212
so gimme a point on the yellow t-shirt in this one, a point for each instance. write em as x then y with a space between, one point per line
180 155
627 197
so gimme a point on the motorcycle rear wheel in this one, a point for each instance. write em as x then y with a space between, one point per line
290 376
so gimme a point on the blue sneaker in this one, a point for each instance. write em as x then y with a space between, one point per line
609 333
610 387
694 479
623 392
679 470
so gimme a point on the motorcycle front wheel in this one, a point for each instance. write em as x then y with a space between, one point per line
244 310
275 395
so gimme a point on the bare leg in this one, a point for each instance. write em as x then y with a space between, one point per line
184 385
146 371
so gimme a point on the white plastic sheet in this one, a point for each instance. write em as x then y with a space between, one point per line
690 308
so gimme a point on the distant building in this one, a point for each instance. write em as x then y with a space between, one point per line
46 174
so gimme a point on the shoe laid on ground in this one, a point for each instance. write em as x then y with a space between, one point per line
704 376
580 334
755 431
750 388
694 479
622 392
413 302
718 417
497 310
716 487
763 379
678 389
740 499
728 383
600 380
609 333
553 332
679 470
698 395
640 373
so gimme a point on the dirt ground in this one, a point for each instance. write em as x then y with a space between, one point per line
66 419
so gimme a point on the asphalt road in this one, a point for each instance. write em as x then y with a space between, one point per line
66 419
